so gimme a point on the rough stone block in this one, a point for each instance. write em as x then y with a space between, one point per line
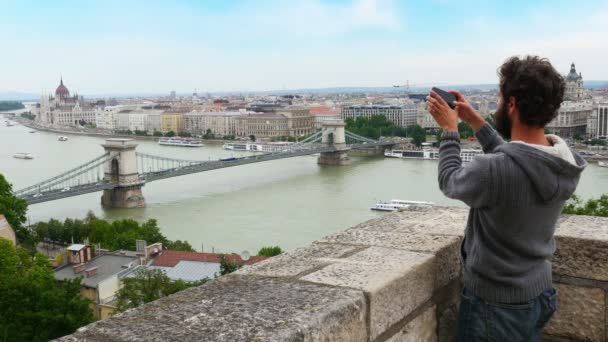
445 247
421 329
299 261
240 308
580 314
396 281
433 221
582 247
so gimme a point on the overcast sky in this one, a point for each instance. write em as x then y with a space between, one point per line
102 47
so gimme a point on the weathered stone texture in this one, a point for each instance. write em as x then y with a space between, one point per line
241 308
444 247
396 281
420 329
580 314
582 247
299 261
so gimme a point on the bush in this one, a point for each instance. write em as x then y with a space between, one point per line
270 251
593 207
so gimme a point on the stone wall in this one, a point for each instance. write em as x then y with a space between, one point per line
395 278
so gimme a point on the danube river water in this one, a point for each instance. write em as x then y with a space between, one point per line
288 202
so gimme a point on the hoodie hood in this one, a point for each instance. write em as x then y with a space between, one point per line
553 177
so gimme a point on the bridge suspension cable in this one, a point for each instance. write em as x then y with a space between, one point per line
89 172
358 138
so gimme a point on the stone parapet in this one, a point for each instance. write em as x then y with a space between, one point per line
395 278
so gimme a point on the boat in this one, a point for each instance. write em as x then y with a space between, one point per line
62 138
430 154
396 204
258 147
177 141
9 124
602 164
23 155
32 131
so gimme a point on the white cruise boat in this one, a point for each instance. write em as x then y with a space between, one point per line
62 138
430 154
23 155
602 164
397 204
178 141
257 147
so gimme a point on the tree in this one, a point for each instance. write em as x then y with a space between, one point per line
465 130
227 265
417 133
119 234
158 133
270 251
28 115
14 209
147 286
490 119
593 207
185 134
438 134
179 245
170 134
252 138
209 134
33 305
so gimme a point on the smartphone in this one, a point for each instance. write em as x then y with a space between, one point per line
447 97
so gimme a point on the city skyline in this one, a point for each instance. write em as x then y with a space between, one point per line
126 47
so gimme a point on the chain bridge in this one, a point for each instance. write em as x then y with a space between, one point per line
121 172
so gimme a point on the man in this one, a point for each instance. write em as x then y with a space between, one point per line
516 192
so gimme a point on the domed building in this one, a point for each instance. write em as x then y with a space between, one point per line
65 110
574 85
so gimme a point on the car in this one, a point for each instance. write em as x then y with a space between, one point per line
37 195
65 189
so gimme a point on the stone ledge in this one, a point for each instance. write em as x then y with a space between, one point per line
240 308
375 281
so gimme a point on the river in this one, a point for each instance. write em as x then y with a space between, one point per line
288 202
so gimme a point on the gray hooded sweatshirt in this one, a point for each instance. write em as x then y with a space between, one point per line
516 193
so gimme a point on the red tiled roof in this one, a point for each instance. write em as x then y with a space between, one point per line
168 258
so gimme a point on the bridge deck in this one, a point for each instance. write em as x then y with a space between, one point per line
203 166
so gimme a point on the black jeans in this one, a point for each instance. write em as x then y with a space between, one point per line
480 320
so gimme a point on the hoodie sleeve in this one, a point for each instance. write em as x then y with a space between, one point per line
488 138
468 183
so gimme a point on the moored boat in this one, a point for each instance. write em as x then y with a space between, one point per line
257 147
23 155
602 164
62 138
177 141
430 154
396 204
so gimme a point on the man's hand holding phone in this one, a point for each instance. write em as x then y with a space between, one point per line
466 112
444 115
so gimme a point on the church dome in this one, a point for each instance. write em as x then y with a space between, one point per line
572 75
62 91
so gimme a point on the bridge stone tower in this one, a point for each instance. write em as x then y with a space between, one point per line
121 170
333 135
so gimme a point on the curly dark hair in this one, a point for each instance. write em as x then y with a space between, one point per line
537 87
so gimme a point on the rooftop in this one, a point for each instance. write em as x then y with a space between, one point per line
169 258
108 265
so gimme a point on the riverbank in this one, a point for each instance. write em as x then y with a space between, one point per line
96 133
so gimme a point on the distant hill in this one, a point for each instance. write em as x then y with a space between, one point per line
596 84
22 96
18 96
10 105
